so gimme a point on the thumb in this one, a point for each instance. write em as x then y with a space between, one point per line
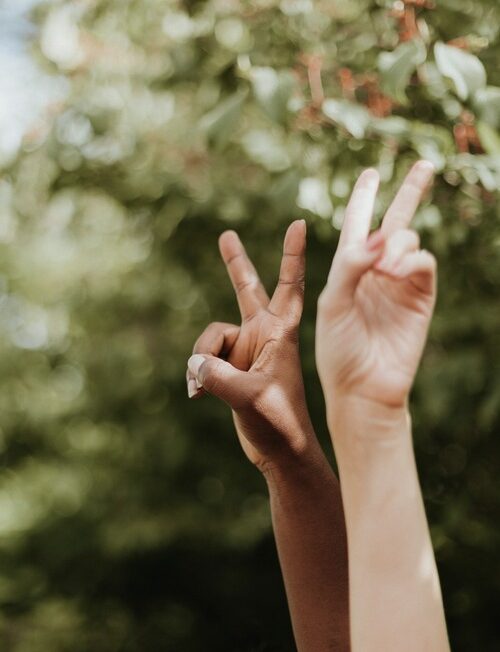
218 377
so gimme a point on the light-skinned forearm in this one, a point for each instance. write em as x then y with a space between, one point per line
309 529
391 561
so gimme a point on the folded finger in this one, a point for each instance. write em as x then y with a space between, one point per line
348 268
420 268
359 211
399 244
217 339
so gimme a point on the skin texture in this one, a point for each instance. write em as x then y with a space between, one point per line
255 368
375 310
373 318
270 415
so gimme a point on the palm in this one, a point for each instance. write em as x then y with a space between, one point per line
380 340
253 338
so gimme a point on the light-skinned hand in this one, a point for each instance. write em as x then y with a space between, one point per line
374 313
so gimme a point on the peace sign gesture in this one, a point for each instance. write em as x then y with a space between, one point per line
255 367
374 312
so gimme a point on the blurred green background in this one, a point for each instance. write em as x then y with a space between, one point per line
129 518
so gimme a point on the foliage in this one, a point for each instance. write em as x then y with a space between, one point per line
129 519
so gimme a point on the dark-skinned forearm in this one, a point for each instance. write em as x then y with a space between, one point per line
309 528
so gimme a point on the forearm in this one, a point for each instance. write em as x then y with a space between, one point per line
391 562
310 535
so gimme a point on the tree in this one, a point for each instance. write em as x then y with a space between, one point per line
129 519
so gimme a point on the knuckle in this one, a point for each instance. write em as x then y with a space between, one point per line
402 241
247 284
235 258
430 259
297 282
198 345
398 221
412 237
212 329
204 341
217 325
352 258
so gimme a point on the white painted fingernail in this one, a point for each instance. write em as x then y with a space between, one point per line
194 363
192 388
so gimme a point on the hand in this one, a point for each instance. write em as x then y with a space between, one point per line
255 367
374 312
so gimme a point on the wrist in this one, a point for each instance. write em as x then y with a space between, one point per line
278 435
374 451
357 409
298 468
364 428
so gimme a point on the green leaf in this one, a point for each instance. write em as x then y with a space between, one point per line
487 104
233 34
283 191
266 148
221 121
391 126
397 67
314 197
353 117
487 172
465 70
489 137
433 143
272 90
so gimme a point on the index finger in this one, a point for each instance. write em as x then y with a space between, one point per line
250 292
359 211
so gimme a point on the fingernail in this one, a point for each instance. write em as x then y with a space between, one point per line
375 241
192 388
194 363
